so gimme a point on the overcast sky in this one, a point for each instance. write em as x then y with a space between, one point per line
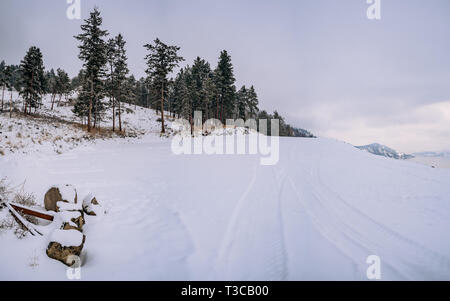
320 63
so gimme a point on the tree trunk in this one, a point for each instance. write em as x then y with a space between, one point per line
163 130
10 106
52 99
113 100
217 108
59 100
170 112
146 98
120 116
3 94
31 88
90 105
114 113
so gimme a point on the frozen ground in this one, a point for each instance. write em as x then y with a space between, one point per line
316 215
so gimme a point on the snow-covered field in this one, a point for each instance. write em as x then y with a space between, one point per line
316 215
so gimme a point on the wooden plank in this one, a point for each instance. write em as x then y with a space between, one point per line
32 212
21 220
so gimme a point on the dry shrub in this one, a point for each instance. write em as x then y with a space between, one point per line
20 197
26 199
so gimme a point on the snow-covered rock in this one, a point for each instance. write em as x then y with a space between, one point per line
70 220
91 205
64 244
61 197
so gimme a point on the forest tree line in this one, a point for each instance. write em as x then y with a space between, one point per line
104 83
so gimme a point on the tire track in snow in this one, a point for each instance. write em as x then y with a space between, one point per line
418 261
333 229
330 226
358 235
253 245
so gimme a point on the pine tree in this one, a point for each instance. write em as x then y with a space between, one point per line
224 81
110 83
50 79
179 88
93 54
263 115
209 94
62 84
77 81
252 103
187 105
33 80
241 103
161 60
120 75
130 95
9 79
200 72
141 92
170 94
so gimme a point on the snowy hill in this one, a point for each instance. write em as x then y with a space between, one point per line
59 130
382 150
316 215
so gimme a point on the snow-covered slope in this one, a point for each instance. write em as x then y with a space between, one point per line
59 130
382 150
317 214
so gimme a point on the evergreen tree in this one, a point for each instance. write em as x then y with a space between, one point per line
241 103
111 51
122 88
93 54
179 89
170 94
187 105
62 84
263 115
51 85
200 72
252 103
209 94
224 81
9 74
160 61
141 92
15 80
77 81
129 88
33 80
282 125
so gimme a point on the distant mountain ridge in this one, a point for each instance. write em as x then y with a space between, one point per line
382 150
445 154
